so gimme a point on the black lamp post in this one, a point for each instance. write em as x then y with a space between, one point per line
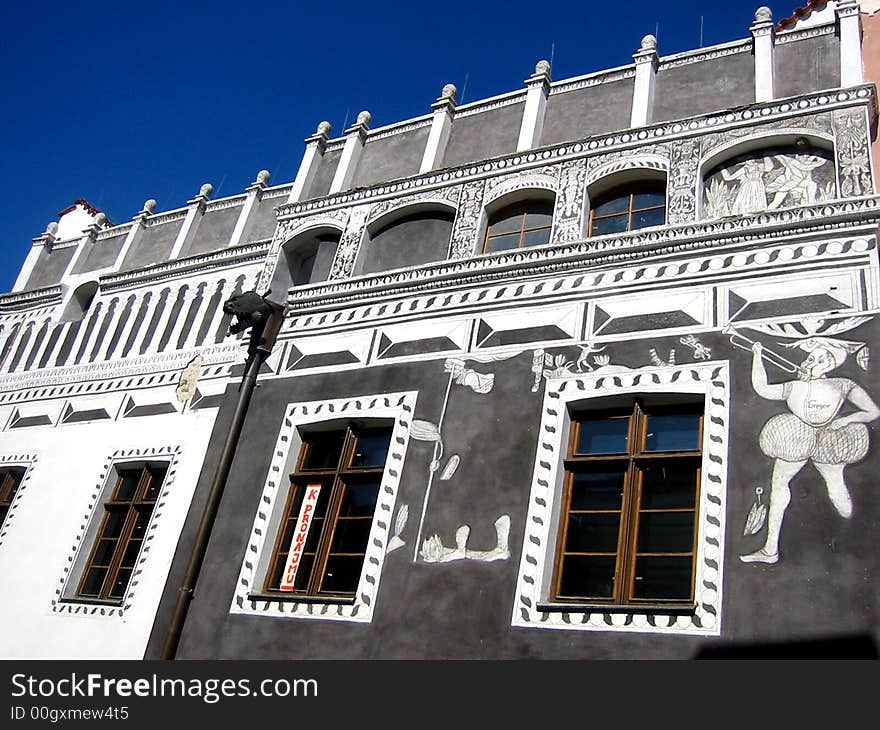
264 319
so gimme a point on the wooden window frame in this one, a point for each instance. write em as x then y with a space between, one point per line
11 478
137 504
336 479
523 229
635 457
628 191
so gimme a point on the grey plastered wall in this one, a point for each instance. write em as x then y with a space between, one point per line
417 239
100 254
49 267
153 246
807 65
391 157
463 609
486 134
705 86
214 231
324 175
584 112
262 221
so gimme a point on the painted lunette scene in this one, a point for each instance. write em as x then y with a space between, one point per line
582 372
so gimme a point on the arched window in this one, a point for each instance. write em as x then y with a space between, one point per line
526 223
80 302
304 260
628 208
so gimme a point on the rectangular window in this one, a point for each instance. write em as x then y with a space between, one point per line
324 531
628 520
10 481
120 535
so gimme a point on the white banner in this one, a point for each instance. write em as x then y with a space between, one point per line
298 541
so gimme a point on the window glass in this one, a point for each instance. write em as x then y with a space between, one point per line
628 208
522 224
10 480
628 514
323 451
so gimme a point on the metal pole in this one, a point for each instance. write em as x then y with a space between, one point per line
185 596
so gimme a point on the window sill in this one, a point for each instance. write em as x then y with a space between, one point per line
294 598
651 608
91 602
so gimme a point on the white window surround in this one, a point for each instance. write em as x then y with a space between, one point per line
66 600
26 462
398 407
711 380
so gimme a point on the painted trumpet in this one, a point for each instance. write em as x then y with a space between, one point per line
737 339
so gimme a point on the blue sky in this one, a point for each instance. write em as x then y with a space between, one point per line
120 102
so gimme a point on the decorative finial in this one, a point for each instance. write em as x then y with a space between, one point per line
363 119
649 43
323 128
149 206
542 68
263 177
448 92
205 190
100 219
52 228
763 14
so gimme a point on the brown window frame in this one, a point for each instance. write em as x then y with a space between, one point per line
628 191
635 459
11 478
521 210
336 478
140 503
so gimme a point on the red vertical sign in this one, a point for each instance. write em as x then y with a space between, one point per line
300 534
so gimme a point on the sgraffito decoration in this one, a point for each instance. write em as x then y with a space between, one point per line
813 429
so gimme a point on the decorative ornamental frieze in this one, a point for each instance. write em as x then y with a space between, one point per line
171 216
800 35
818 124
490 104
587 82
836 218
853 153
349 243
652 157
568 215
746 116
467 222
403 128
546 178
26 300
448 196
686 59
224 203
681 206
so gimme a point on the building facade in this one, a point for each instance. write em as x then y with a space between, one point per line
578 371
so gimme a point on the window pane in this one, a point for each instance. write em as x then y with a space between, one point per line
131 554
597 490
92 584
127 486
117 590
617 204
539 218
538 237
649 199
506 224
666 532
603 436
155 485
663 578
115 521
371 448
503 243
587 577
351 535
614 224
323 450
592 532
669 485
645 218
359 500
3 510
342 574
141 523
674 432
104 552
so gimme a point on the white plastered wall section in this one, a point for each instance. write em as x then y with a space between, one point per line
51 517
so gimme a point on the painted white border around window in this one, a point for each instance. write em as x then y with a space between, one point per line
65 599
710 379
27 462
397 406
